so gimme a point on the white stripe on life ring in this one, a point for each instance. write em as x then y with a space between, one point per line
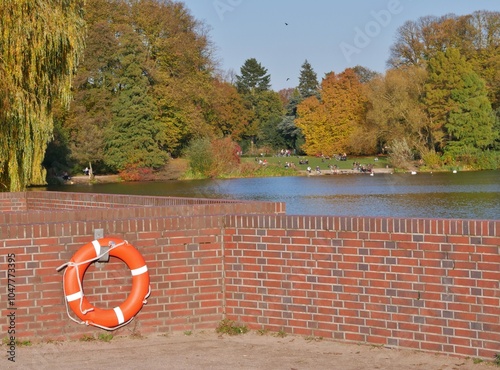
74 296
119 315
139 271
97 247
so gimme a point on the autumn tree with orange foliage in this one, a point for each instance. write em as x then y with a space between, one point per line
330 121
226 112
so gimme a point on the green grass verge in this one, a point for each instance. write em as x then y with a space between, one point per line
324 164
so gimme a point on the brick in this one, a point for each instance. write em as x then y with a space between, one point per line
466 351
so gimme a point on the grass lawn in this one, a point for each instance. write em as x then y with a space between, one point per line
323 164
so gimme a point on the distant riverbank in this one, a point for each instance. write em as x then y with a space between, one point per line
177 169
106 179
100 179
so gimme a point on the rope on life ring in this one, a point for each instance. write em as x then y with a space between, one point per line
109 319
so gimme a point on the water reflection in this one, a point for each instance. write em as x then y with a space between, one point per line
444 195
433 205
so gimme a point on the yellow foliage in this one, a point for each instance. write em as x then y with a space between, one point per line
329 122
41 43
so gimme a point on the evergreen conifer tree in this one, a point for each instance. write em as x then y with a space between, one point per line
134 139
253 78
308 81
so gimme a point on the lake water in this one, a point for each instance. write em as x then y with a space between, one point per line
473 195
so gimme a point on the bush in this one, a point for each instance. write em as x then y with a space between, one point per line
248 168
136 173
212 158
432 160
488 160
199 156
225 157
472 158
400 154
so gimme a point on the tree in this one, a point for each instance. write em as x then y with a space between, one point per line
418 41
308 81
134 138
268 111
457 102
364 74
396 110
253 78
475 35
40 46
471 124
94 89
169 59
409 47
226 113
486 61
330 121
291 135
180 67
287 129
264 106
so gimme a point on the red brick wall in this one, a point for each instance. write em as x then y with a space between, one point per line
417 283
180 240
431 285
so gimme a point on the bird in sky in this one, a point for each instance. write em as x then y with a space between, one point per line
288 78
286 24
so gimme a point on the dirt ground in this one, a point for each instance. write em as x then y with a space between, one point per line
208 350
173 171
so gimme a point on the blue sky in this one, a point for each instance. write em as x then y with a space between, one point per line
331 34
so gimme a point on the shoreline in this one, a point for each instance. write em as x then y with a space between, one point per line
100 179
178 167
348 172
106 179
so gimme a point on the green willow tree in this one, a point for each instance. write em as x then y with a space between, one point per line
269 111
40 46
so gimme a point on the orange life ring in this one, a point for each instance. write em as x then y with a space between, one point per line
75 271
